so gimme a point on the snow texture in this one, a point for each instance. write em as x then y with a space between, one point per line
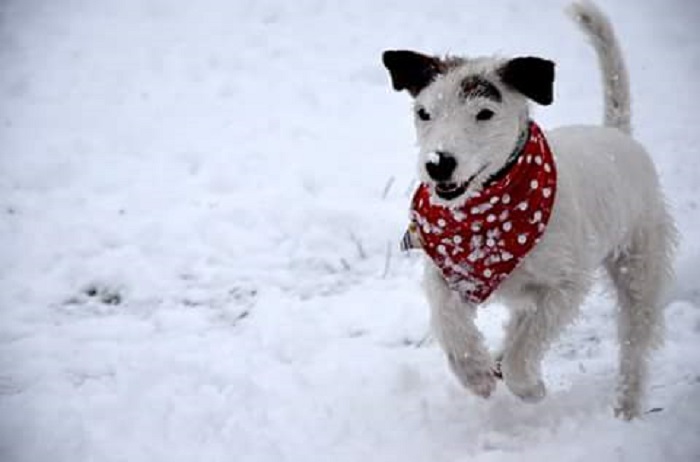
200 206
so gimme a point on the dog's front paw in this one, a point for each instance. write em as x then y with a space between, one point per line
477 376
530 393
528 387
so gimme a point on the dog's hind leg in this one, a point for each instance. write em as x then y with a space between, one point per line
538 316
640 274
453 323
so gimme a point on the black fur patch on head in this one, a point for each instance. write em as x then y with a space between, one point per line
411 71
475 86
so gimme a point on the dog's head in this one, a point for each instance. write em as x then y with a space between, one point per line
469 113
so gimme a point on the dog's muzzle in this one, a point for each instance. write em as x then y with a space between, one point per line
449 191
440 167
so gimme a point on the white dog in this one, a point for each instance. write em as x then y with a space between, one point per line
597 202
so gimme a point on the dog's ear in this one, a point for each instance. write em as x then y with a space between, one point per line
533 77
410 70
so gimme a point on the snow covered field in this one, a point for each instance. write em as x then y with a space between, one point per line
201 204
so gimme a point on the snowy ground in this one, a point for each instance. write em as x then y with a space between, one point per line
200 207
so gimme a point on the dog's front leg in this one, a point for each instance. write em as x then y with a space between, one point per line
453 323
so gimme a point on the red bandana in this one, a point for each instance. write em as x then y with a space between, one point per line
477 245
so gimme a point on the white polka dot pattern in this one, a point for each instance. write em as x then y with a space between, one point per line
477 245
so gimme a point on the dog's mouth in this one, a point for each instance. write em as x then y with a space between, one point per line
448 190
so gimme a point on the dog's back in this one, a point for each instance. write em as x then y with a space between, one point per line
608 183
607 187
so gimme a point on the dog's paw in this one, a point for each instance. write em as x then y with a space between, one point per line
528 387
528 392
473 375
627 409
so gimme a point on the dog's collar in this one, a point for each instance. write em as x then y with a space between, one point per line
513 158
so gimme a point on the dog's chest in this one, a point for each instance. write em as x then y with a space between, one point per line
478 245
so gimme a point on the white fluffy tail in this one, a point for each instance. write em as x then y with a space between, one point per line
615 79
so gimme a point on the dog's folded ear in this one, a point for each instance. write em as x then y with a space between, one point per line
410 70
533 77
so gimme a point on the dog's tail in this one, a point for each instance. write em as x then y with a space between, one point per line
615 79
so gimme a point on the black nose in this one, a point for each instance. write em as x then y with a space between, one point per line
441 169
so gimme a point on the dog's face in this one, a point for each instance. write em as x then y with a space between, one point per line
469 114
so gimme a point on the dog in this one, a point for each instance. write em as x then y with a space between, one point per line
605 209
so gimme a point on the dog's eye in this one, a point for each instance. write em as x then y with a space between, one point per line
423 114
484 114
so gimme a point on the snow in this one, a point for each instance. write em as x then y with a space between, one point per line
200 254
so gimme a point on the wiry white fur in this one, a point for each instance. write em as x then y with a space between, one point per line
615 80
454 129
609 212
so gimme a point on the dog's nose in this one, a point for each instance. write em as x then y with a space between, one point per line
440 166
